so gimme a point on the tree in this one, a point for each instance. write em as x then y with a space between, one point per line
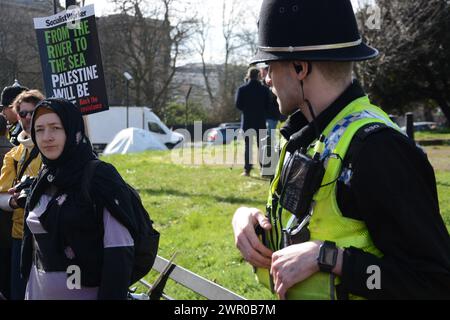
239 44
19 54
414 65
146 40
235 30
202 36
176 113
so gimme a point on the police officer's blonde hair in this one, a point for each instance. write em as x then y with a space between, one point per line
334 71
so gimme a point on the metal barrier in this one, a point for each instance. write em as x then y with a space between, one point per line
184 277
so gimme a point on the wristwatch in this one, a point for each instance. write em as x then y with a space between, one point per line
327 256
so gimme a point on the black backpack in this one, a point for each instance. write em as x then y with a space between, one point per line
147 238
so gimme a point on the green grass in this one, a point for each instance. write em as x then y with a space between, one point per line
192 206
439 157
443 185
443 134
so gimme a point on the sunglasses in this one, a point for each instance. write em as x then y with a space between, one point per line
23 114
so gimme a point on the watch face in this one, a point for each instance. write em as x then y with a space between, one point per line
329 256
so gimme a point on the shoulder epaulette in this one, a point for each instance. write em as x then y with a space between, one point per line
369 129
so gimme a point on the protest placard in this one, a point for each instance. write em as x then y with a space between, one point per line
71 59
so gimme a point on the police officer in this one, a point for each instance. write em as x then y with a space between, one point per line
359 218
8 96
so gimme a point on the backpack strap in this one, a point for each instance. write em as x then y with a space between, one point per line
86 179
33 154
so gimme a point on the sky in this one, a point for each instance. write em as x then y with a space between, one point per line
204 6
210 9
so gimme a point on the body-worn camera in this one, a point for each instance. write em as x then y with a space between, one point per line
24 189
300 179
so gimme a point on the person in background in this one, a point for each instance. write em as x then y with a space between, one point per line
5 221
23 160
252 99
5 144
8 96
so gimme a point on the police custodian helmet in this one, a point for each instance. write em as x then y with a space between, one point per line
311 30
10 93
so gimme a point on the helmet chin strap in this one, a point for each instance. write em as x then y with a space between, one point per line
311 111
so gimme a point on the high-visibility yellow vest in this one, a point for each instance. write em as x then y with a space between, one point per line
327 221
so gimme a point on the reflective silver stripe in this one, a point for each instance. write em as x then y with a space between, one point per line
312 48
332 287
339 129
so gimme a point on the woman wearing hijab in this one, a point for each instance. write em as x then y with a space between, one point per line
74 248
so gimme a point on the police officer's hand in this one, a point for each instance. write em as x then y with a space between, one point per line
294 264
244 222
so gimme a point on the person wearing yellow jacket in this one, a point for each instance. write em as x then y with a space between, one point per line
353 209
19 162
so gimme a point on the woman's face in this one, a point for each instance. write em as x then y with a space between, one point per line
50 135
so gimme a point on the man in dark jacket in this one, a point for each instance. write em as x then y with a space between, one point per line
9 94
253 99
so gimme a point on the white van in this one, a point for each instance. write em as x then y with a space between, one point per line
102 127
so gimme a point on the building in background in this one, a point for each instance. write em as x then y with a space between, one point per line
19 56
140 47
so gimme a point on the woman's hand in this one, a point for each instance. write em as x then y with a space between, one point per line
13 200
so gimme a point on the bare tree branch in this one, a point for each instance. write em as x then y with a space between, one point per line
149 43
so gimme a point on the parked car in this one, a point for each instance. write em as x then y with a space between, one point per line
224 133
233 125
423 126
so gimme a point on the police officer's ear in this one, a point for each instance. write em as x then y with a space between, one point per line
300 66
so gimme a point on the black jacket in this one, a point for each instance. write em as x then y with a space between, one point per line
78 223
253 99
393 190
14 131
